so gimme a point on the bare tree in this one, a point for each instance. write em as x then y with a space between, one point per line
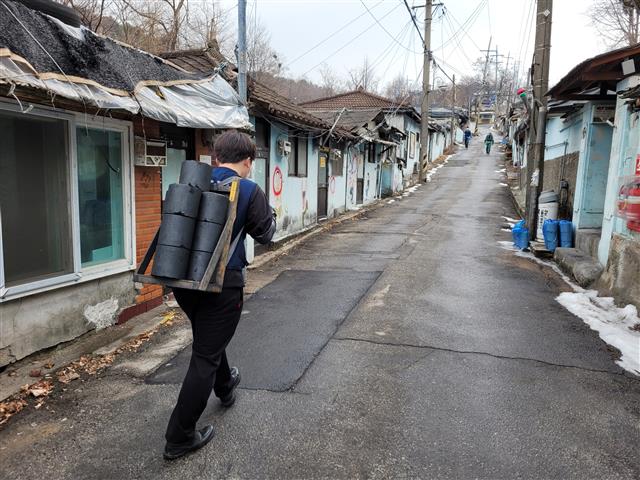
92 12
330 82
262 60
617 21
398 89
363 77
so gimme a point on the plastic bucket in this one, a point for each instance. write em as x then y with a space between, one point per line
550 231
565 229
546 211
521 237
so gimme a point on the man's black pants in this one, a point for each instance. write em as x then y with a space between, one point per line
214 318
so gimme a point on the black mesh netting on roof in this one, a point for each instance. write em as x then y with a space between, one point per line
96 58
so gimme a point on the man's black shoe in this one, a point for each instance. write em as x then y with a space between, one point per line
200 439
230 398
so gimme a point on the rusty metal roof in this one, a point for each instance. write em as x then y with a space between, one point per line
601 72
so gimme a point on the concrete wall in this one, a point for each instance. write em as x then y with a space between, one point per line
559 168
297 201
35 322
625 147
621 277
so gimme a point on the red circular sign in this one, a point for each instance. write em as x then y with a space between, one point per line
277 181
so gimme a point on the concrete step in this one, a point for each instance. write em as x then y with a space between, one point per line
582 267
588 240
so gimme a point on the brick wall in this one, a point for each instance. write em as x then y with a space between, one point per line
148 197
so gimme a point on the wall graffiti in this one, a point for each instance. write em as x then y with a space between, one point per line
353 178
276 187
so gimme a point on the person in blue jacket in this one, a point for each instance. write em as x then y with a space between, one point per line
467 137
214 316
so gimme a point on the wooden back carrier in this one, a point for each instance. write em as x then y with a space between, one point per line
214 274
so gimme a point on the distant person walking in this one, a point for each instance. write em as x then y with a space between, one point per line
488 142
467 137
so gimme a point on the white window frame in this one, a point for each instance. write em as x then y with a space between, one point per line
79 274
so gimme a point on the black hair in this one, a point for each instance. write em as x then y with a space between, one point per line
233 147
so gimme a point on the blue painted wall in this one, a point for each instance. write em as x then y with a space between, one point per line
593 168
625 147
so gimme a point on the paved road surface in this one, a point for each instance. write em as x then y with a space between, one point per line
405 344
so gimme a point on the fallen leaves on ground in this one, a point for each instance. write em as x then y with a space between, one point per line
89 364
38 389
8 408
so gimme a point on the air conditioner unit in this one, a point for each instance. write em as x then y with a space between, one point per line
284 147
150 153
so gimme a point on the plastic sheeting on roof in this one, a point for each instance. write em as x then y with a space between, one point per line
211 103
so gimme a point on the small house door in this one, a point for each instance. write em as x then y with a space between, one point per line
323 183
260 171
360 185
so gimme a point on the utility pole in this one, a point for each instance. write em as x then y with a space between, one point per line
426 72
242 50
484 83
538 115
453 113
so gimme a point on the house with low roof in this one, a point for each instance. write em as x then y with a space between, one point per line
86 127
393 130
601 97
301 161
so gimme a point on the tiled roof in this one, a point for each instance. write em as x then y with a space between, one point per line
349 119
260 96
353 100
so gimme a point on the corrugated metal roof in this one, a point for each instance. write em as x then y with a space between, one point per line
260 96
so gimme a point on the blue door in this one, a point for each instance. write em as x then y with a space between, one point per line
595 175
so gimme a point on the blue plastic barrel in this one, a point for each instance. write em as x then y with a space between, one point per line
520 225
521 237
550 231
566 234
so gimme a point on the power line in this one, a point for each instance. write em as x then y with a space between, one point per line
383 28
330 36
348 43
475 14
413 18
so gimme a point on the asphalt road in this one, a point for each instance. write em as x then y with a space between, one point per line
405 344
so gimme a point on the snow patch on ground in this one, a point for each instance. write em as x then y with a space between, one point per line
503 184
612 323
510 221
433 171
390 201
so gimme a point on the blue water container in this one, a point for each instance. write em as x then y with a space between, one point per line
566 234
550 232
520 225
521 237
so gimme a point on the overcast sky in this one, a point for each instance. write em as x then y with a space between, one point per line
347 33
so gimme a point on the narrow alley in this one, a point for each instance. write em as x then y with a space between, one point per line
404 344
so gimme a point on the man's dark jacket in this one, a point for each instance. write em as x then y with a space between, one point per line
254 216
